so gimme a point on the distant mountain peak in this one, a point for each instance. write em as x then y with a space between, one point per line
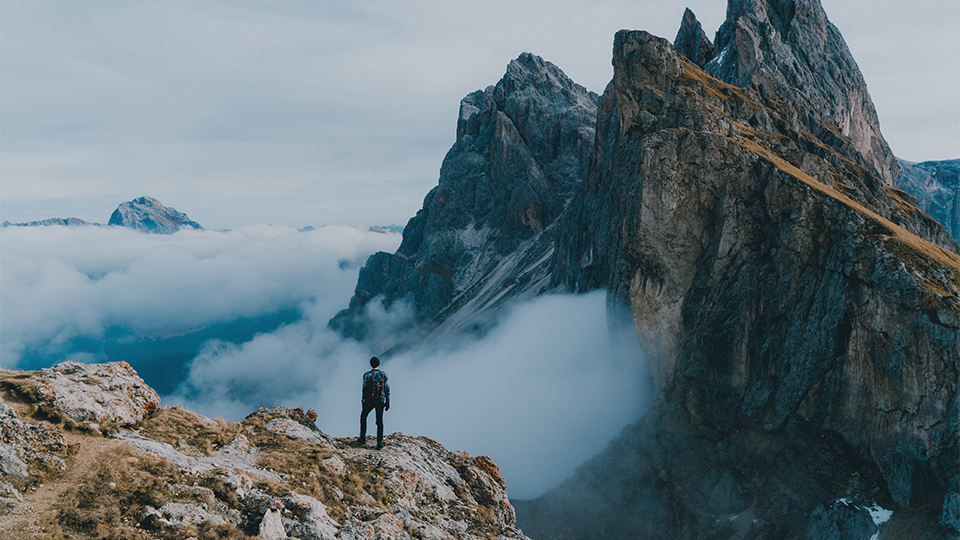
149 215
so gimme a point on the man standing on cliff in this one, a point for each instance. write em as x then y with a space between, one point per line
376 396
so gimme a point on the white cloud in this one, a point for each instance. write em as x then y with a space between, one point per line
62 283
540 393
545 390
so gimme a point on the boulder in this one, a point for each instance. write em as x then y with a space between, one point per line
104 394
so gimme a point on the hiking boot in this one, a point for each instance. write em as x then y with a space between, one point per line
379 445
360 442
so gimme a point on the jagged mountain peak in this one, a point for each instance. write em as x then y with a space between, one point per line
148 214
789 47
692 41
523 145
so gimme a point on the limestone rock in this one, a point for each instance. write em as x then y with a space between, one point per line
840 521
110 393
692 41
274 473
789 47
950 515
25 444
148 215
788 300
312 521
271 528
523 147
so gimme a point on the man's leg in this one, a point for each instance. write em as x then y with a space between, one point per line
363 423
379 425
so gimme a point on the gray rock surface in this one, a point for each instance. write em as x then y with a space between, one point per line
523 147
790 304
790 48
148 215
104 394
692 42
270 479
936 187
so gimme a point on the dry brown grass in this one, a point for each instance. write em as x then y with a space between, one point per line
709 85
108 500
918 255
173 424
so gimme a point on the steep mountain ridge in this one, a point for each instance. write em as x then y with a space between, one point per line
790 48
522 148
801 315
936 188
784 309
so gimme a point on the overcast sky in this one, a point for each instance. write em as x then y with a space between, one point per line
310 113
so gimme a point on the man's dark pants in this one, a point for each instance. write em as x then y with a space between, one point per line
367 407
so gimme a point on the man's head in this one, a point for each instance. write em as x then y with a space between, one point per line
374 362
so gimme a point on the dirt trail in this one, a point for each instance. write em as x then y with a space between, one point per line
24 519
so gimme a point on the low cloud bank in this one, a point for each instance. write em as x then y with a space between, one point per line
543 391
67 285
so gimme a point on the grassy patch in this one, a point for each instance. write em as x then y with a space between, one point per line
173 424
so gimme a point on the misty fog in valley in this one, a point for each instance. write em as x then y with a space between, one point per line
226 322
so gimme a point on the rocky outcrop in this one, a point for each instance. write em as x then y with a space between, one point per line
801 318
97 395
935 187
523 147
692 42
148 215
789 48
174 473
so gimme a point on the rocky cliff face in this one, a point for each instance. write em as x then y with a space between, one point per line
86 451
522 148
936 187
790 48
148 215
801 316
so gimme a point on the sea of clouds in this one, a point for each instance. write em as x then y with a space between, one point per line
542 392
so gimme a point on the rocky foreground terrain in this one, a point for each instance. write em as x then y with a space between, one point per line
87 451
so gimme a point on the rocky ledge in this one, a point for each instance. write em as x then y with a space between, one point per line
87 452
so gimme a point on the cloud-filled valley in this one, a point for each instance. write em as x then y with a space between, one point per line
225 322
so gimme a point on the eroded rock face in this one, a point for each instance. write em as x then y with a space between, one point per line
800 316
523 146
692 41
790 48
98 394
148 215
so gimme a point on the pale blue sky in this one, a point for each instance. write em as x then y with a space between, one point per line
310 113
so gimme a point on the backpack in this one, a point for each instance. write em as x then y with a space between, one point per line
379 391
